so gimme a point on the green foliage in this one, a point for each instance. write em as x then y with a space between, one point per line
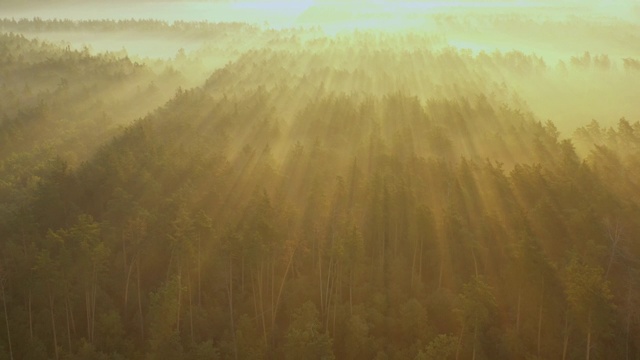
164 336
476 303
304 339
250 343
586 287
88 351
204 351
441 347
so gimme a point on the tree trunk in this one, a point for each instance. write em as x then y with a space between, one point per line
413 264
326 293
93 311
53 326
126 286
420 259
66 308
140 300
329 295
395 240
417 258
627 335
276 305
30 316
272 301
589 337
566 337
335 301
615 239
73 320
255 299
230 293
191 311
475 340
87 308
242 275
6 320
126 273
540 317
475 262
179 297
350 292
320 282
384 248
539 328
261 302
459 345
199 273
518 311
25 252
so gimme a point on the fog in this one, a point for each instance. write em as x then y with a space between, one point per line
281 14
565 36
473 29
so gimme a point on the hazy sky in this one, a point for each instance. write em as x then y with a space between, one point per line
283 11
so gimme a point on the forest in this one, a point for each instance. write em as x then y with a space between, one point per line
464 185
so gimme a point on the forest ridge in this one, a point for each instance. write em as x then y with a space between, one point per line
449 191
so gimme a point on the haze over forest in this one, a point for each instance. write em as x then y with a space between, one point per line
319 179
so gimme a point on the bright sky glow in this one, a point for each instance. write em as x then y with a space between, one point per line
280 14
284 6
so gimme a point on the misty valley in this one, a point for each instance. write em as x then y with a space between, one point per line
319 180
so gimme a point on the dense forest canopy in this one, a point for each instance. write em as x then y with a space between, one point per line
375 180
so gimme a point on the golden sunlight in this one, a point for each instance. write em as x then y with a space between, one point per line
213 179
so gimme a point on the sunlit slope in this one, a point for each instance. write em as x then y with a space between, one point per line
379 193
56 97
374 66
195 49
570 92
514 56
58 103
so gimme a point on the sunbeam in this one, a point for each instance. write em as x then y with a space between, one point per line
217 179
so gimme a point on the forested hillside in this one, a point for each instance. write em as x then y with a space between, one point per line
368 195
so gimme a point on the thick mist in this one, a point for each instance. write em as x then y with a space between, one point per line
565 36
